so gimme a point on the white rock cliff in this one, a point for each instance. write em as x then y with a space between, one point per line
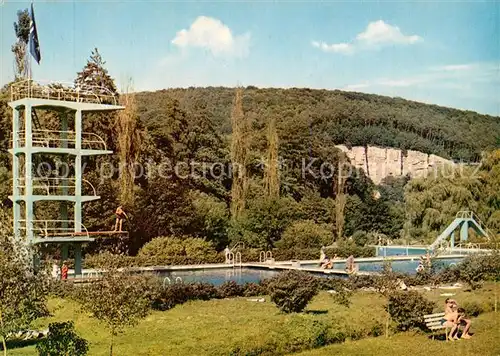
380 163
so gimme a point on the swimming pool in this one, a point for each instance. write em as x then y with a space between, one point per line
255 275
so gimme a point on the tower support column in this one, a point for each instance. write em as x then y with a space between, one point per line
78 171
464 231
28 172
16 208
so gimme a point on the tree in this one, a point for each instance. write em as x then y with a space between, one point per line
22 30
23 293
116 300
271 173
340 198
239 156
94 77
305 234
129 146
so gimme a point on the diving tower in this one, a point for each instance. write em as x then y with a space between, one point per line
463 221
32 185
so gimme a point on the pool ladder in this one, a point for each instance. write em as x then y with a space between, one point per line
167 279
265 256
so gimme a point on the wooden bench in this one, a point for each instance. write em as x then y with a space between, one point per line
433 322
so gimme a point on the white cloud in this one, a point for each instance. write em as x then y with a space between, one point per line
376 35
380 32
353 87
344 48
454 67
457 78
211 34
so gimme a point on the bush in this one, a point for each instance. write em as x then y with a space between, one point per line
306 234
253 290
61 289
230 289
172 295
475 269
203 291
62 340
174 250
407 309
472 309
292 290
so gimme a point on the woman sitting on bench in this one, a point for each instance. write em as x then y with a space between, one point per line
454 317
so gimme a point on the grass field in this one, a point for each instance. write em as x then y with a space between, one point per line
237 326
485 342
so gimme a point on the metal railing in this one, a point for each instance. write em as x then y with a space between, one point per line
59 139
237 260
240 243
53 186
57 91
265 256
466 214
53 228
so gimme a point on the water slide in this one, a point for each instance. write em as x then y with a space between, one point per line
463 221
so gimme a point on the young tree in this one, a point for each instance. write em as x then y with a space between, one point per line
23 293
116 300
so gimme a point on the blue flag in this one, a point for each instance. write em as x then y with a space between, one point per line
33 39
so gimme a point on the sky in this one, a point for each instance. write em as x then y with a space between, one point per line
444 53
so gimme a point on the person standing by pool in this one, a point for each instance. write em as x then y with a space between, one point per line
64 271
56 271
349 264
120 216
227 253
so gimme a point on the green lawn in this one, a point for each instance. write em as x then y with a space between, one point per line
485 342
220 327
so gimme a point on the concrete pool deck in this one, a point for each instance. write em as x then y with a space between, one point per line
303 265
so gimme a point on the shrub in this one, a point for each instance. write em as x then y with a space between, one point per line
407 309
61 289
306 234
172 295
253 290
362 281
175 250
230 289
472 309
292 290
475 269
62 340
203 291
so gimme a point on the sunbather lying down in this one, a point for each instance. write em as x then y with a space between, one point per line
454 318
327 263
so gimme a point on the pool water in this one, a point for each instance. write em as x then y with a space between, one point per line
255 275
219 276
400 251
409 267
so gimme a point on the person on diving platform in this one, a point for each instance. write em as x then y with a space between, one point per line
120 216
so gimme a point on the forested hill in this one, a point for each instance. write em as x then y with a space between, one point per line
354 119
